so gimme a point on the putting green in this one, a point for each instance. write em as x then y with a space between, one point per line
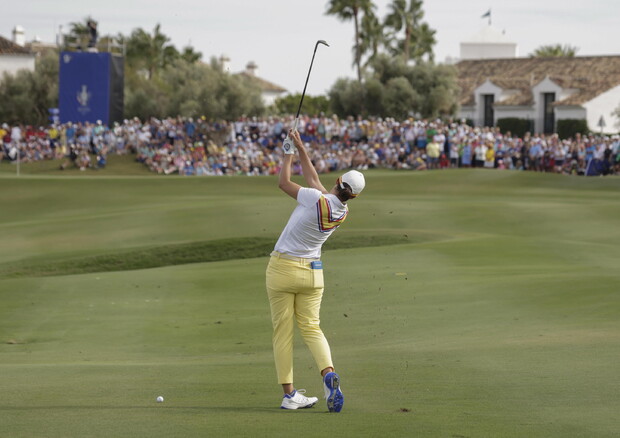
494 313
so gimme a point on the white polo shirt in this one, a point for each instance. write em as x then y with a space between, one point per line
314 219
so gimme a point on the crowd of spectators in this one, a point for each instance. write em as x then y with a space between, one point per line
251 146
81 145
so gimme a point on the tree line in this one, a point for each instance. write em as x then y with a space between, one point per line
160 81
396 74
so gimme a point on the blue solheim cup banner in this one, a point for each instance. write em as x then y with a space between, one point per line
88 87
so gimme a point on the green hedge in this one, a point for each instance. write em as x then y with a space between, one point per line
515 125
567 128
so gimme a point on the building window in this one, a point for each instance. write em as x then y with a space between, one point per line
489 114
548 113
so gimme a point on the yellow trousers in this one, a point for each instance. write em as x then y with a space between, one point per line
295 292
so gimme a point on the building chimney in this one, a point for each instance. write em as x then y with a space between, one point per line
251 68
225 63
19 37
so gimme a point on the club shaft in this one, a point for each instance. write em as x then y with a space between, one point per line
306 84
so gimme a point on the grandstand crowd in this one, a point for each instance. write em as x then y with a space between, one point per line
251 146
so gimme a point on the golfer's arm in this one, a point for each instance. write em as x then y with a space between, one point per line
285 183
310 174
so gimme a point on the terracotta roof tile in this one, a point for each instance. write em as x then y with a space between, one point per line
8 47
589 76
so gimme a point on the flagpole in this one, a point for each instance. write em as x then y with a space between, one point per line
487 14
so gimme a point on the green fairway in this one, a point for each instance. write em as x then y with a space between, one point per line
465 303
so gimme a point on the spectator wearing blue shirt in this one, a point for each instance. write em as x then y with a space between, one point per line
70 132
190 128
535 154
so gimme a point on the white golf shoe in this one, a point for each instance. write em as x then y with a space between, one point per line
297 400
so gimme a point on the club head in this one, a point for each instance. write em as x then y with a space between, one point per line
322 42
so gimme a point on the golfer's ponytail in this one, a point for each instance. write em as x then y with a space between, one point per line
344 194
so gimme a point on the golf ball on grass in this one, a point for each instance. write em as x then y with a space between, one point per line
160 399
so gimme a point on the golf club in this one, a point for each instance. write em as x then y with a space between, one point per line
287 143
308 77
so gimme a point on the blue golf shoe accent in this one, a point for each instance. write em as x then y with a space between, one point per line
333 394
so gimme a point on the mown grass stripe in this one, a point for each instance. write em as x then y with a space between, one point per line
184 253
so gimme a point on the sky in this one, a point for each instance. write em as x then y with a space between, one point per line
279 35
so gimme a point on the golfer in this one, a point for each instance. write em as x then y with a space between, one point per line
295 273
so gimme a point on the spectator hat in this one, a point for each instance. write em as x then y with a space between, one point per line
354 179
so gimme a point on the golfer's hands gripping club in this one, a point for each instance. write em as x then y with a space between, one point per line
287 145
292 142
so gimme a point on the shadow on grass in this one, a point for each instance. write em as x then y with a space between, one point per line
193 252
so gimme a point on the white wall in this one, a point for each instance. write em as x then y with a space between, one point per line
488 50
269 97
467 112
603 105
521 112
570 112
13 63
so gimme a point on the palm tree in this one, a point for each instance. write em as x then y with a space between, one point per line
351 10
190 55
79 34
150 52
419 38
371 38
555 51
426 41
